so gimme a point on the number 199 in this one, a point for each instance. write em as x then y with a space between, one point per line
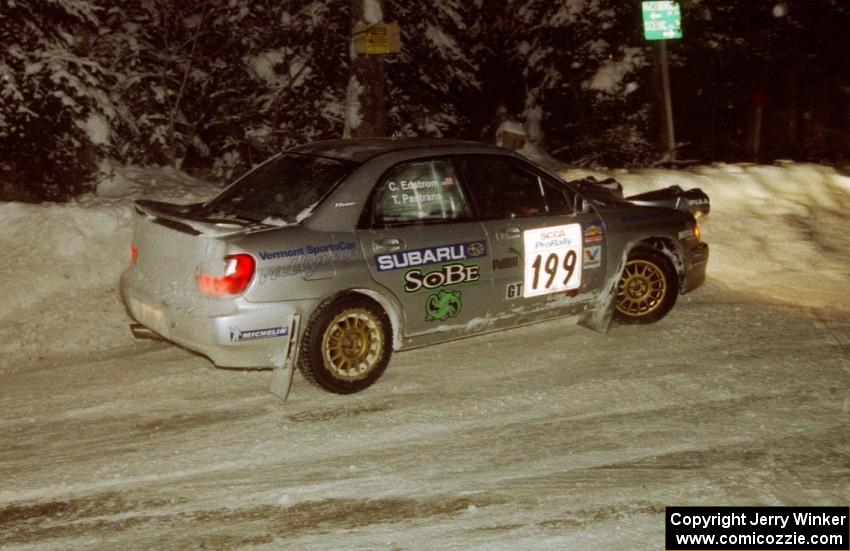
550 266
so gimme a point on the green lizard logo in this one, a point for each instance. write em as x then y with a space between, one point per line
443 305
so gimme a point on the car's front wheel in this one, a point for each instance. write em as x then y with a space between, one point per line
648 287
346 345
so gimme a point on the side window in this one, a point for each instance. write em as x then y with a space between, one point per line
505 188
425 191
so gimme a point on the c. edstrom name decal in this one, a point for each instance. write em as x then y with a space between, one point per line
430 255
237 335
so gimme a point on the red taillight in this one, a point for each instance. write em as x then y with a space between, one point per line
134 254
238 271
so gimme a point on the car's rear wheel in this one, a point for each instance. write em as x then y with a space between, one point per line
346 345
647 289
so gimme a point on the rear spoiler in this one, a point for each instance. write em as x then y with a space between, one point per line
184 218
610 190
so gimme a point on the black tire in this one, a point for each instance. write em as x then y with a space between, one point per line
346 345
647 289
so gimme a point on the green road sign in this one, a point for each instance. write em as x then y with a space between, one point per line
661 20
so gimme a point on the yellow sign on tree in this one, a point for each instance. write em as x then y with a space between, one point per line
380 39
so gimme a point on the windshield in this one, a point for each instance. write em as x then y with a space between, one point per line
282 187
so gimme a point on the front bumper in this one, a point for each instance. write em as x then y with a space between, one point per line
696 263
230 332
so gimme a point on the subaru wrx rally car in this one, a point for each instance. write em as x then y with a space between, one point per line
381 245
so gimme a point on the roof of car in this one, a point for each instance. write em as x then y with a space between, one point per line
361 150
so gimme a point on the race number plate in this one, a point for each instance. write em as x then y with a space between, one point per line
552 259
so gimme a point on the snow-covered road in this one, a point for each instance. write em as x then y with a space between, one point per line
545 437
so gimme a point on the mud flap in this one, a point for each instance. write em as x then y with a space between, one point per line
282 375
600 316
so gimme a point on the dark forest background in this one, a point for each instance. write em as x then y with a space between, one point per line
218 85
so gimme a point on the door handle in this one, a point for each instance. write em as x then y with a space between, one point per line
387 244
508 232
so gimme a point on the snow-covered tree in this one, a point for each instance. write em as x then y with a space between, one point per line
56 110
434 80
576 72
227 82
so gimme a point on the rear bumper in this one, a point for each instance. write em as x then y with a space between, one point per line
696 263
230 332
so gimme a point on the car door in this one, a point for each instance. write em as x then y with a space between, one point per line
545 254
424 245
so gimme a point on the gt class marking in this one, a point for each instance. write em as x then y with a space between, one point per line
450 274
553 259
430 255
513 290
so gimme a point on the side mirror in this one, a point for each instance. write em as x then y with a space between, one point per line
582 205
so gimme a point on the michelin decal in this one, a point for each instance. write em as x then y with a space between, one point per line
237 335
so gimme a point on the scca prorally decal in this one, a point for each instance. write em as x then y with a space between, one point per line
307 250
443 305
450 274
551 238
237 335
430 255
506 262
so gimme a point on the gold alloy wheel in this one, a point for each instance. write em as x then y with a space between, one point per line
352 344
642 288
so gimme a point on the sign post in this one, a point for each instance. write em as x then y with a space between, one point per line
662 21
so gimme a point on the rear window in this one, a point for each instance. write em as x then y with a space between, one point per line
285 187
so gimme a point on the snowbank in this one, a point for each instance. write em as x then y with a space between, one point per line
778 233
63 261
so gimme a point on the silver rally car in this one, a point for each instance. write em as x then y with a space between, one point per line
381 244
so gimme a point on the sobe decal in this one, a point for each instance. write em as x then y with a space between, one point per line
553 259
443 305
450 274
430 255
